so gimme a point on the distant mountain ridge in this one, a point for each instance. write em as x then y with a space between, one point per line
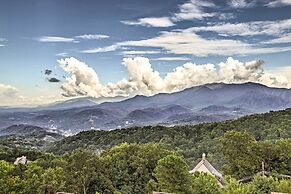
205 103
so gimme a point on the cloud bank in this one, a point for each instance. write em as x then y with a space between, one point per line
144 80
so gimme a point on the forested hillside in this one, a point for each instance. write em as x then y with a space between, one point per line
142 160
190 140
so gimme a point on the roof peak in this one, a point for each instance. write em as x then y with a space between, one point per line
203 156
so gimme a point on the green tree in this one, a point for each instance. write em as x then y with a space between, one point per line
204 183
52 180
80 170
130 166
5 168
232 186
9 181
239 150
284 186
172 175
32 178
262 184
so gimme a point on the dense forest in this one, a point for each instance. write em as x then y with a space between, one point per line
189 140
156 158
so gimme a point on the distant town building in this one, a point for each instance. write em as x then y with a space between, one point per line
205 166
21 160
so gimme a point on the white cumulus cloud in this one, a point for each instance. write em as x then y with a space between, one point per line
143 79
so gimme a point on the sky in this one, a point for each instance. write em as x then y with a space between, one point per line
53 50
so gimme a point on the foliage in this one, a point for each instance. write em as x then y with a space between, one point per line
284 186
262 184
233 186
204 183
189 140
130 166
244 155
172 176
157 158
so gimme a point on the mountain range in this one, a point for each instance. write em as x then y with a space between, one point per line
205 103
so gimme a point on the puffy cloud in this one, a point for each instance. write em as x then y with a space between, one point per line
141 73
143 79
236 71
151 22
189 75
84 80
282 72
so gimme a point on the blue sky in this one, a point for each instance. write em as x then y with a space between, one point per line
34 34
